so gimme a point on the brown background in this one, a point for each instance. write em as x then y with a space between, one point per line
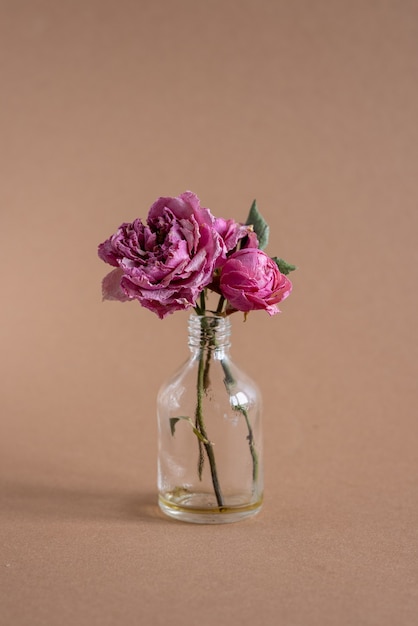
310 107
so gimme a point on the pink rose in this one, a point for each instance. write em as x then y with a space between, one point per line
231 233
167 262
251 280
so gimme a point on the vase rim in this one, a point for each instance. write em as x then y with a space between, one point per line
201 334
223 320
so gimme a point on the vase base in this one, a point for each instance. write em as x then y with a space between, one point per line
198 508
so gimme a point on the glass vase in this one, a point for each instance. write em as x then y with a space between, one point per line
210 464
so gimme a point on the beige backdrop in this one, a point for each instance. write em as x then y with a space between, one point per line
310 107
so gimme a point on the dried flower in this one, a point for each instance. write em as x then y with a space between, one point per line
251 280
167 262
182 251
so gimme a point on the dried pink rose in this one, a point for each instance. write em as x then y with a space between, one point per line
251 280
167 262
232 232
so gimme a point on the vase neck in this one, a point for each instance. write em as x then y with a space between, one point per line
210 333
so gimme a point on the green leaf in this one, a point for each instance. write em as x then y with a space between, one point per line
174 420
261 228
283 265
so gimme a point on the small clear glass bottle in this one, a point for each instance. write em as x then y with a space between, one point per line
210 464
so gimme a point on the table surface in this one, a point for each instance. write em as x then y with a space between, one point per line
310 108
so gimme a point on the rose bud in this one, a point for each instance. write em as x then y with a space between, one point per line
251 280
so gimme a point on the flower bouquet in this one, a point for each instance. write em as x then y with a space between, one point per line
185 258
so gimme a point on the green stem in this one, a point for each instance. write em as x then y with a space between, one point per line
229 381
220 305
250 438
200 424
202 302
206 379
